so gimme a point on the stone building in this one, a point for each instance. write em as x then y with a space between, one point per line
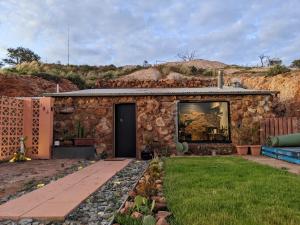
123 121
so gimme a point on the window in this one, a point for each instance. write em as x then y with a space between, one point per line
203 122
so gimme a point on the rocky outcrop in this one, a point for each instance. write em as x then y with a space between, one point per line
166 83
287 84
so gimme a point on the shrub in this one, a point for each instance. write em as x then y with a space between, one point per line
108 75
278 69
49 77
196 71
296 63
209 73
77 80
28 67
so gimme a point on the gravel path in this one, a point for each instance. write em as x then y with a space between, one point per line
100 207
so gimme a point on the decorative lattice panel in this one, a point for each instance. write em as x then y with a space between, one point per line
35 126
11 125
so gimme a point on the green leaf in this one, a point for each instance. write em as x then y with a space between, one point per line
152 205
138 202
149 220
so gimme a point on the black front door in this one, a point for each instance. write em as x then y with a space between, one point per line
125 130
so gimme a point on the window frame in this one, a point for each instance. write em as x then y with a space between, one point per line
204 141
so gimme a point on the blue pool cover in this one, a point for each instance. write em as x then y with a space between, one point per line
289 154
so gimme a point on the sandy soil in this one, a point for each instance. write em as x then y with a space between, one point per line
14 176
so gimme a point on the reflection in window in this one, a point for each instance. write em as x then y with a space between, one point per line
203 122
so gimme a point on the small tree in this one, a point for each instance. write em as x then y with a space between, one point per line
296 63
187 56
262 57
19 55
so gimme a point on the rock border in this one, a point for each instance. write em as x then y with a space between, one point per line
149 188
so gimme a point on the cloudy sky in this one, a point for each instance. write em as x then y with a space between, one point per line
128 32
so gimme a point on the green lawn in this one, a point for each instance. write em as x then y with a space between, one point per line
230 190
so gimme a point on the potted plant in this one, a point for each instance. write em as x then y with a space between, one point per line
255 146
80 139
243 140
67 138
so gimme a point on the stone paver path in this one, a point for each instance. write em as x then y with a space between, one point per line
292 168
57 199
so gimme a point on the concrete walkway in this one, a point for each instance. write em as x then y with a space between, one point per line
57 199
290 167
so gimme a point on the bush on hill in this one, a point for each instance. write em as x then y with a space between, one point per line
77 80
296 63
277 69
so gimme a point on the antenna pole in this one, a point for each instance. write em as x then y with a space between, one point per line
68 45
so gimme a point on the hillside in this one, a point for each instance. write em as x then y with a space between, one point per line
34 79
26 85
287 84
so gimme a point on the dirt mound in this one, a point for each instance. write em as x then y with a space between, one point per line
177 76
28 86
144 74
164 71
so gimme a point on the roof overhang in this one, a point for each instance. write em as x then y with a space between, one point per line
161 92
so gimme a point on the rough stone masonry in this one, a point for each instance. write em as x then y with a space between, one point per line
155 117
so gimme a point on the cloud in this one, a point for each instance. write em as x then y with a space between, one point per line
128 32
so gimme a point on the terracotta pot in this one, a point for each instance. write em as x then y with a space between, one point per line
255 150
67 143
84 141
242 149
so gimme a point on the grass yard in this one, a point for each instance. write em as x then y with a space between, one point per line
230 190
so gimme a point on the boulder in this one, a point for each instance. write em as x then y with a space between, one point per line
160 122
136 215
163 131
162 221
162 214
158 181
67 110
149 127
160 206
129 204
162 200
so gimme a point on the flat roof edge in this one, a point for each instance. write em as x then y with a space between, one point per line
157 94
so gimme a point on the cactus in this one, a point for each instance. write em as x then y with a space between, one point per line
79 130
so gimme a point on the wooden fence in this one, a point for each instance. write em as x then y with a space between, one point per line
277 126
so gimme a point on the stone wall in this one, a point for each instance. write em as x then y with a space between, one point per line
194 82
156 116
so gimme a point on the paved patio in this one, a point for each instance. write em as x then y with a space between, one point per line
57 199
290 167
